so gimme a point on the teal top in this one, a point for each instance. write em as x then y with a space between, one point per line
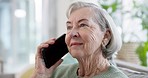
70 71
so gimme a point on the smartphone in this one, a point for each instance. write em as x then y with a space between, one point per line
54 52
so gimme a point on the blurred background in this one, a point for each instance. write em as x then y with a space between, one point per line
24 24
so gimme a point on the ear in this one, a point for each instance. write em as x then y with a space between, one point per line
107 37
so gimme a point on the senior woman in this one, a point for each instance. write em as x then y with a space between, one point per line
92 38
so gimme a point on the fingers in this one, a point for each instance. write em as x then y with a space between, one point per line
38 57
39 65
56 64
44 45
51 41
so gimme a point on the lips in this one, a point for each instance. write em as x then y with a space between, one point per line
75 44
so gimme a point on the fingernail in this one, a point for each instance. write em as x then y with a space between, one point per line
53 38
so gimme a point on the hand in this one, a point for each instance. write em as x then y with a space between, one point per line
40 70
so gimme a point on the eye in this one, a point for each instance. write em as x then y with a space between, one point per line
69 27
83 25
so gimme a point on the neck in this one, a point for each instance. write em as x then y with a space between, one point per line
92 65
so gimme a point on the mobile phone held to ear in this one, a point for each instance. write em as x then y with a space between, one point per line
54 52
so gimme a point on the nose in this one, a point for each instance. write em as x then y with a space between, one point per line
74 33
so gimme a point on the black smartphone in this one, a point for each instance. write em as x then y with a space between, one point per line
54 52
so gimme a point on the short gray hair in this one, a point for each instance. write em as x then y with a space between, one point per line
104 20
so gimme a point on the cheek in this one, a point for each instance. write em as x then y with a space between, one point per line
92 36
67 39
92 40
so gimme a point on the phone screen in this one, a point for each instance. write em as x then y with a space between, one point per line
54 52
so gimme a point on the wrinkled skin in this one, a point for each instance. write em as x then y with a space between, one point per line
84 38
88 34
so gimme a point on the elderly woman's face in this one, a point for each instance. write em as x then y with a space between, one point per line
84 36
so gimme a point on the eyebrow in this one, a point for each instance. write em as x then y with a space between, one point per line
82 20
68 22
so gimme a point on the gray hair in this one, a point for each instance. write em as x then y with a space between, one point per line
104 20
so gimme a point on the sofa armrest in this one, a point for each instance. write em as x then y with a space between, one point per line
131 66
132 70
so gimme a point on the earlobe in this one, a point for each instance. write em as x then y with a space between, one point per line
105 41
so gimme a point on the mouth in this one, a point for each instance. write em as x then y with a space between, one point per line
76 44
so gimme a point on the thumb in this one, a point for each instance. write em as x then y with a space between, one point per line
56 64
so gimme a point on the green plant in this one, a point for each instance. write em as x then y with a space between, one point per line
141 12
142 52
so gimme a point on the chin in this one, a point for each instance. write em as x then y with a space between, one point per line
76 54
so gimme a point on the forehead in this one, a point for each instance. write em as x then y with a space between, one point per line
82 13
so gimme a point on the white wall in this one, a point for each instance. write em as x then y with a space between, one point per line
62 6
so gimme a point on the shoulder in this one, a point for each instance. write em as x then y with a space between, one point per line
113 72
65 70
116 73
